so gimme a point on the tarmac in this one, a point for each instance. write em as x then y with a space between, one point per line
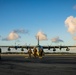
50 64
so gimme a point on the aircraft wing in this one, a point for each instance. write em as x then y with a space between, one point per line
44 47
27 47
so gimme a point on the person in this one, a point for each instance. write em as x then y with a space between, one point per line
29 52
35 52
40 52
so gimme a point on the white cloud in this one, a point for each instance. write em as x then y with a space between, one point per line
41 36
12 36
70 22
74 37
56 40
15 34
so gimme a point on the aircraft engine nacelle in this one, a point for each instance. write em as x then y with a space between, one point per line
9 49
48 47
60 48
27 47
67 49
22 49
16 47
54 49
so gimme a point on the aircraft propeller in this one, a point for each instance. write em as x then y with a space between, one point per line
67 49
54 49
9 49
22 49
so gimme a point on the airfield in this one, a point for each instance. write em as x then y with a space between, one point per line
50 64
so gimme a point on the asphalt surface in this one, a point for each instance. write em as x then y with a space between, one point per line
48 65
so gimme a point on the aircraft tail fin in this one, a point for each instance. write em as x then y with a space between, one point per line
38 40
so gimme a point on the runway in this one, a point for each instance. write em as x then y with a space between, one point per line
48 65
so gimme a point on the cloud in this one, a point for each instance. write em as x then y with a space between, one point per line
74 7
70 22
12 36
56 40
41 36
15 34
74 37
20 31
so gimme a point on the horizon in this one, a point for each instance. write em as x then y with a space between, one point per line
22 21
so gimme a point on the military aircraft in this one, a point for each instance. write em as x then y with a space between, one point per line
38 47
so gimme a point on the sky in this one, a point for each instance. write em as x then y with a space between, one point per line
21 21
